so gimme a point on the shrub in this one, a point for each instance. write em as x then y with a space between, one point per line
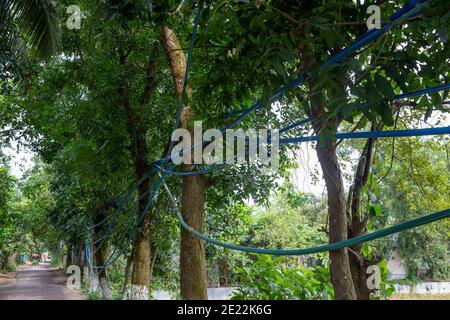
272 279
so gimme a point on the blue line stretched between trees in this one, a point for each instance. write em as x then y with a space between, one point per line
408 11
341 135
373 134
329 247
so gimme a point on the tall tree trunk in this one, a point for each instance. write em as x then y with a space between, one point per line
358 220
128 269
139 153
193 277
357 223
140 278
101 255
94 285
68 261
5 260
224 269
193 283
341 276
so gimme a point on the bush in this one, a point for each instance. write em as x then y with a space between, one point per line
272 279
11 267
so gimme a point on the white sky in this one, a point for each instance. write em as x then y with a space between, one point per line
307 163
20 160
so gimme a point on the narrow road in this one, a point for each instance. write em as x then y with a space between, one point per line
38 283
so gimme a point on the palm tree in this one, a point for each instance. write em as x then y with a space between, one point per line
29 23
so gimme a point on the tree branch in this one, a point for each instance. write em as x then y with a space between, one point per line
150 78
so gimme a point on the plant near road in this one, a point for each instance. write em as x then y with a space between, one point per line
272 279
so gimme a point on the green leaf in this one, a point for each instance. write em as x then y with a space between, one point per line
384 86
375 210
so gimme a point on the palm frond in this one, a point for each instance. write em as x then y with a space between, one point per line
38 24
5 12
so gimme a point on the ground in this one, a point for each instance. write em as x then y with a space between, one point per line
36 283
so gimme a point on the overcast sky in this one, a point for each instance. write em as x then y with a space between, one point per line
20 160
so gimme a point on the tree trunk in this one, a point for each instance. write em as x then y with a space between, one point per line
68 261
94 285
128 269
140 277
193 283
5 260
193 277
358 220
359 273
83 265
139 152
224 269
341 277
101 255
357 223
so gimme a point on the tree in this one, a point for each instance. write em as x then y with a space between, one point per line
193 282
415 186
8 232
99 115
293 220
277 40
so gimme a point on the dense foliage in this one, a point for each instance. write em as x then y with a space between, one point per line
98 112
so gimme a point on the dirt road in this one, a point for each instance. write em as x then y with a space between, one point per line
38 283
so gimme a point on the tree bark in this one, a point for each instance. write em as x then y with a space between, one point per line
68 260
193 283
94 285
140 278
139 152
128 268
341 277
193 277
5 260
357 223
358 220
224 269
101 255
